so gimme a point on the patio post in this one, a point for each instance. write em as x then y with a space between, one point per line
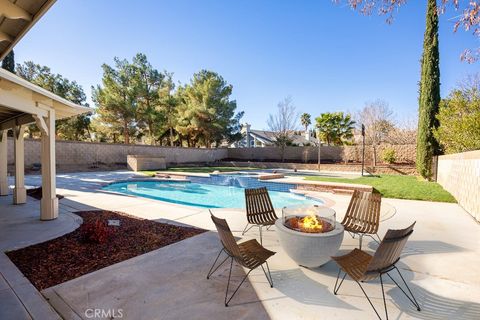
3 163
19 193
49 202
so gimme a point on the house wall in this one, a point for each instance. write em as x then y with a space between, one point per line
459 174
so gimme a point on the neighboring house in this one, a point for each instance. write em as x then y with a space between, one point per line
262 138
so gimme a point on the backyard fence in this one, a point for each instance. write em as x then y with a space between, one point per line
459 174
75 155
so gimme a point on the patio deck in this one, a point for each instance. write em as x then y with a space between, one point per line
440 264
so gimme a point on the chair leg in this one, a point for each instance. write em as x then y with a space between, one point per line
245 229
370 300
360 240
269 276
260 229
412 299
383 294
228 284
335 288
210 272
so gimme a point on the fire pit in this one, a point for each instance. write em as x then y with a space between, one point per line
309 234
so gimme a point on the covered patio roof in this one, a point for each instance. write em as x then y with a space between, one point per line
21 102
16 18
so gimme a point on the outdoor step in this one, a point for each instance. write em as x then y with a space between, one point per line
343 191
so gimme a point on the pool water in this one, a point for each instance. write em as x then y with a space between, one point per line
201 195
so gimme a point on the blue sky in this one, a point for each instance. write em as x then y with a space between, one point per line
327 57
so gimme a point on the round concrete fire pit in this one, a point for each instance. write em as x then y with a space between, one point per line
310 249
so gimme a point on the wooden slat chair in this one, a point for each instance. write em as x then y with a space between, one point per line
363 215
249 254
361 266
260 211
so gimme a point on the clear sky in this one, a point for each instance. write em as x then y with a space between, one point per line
327 57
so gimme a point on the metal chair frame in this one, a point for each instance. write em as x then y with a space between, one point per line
363 215
249 254
377 259
260 211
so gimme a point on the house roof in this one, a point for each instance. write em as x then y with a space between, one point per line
269 137
16 18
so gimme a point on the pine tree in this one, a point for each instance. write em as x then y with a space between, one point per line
8 63
429 99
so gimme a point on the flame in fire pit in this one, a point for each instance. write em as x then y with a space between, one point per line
310 223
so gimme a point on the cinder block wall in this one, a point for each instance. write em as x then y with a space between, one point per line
86 153
459 174
404 153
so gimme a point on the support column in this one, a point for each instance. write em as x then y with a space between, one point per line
19 193
3 163
49 202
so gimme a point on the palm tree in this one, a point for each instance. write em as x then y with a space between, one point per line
335 127
305 120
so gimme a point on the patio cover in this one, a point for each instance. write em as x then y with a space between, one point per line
16 18
22 103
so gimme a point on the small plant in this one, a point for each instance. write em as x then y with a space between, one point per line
389 156
96 232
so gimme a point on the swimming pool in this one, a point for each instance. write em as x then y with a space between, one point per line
201 195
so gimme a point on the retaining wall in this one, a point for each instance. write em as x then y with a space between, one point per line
459 174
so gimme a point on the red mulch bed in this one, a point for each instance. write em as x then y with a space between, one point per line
70 256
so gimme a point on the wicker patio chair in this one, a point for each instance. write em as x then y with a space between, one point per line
361 266
249 254
260 212
363 215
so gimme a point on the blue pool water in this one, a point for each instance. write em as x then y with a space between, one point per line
201 195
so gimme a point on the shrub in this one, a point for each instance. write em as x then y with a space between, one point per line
96 232
389 156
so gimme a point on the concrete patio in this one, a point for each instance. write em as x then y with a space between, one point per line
439 263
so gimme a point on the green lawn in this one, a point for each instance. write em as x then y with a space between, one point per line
201 169
400 187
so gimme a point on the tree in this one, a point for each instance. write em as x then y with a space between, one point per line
376 116
8 63
283 124
116 98
168 103
469 19
459 119
429 99
147 82
206 114
305 120
335 127
74 128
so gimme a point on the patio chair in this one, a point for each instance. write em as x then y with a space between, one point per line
249 254
363 215
361 266
260 212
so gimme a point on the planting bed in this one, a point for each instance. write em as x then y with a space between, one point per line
71 255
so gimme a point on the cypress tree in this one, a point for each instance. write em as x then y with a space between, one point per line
8 63
429 98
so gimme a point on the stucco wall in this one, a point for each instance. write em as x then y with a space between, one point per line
404 153
70 153
459 174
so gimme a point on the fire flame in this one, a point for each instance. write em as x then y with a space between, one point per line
311 223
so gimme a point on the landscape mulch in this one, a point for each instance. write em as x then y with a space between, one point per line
70 256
